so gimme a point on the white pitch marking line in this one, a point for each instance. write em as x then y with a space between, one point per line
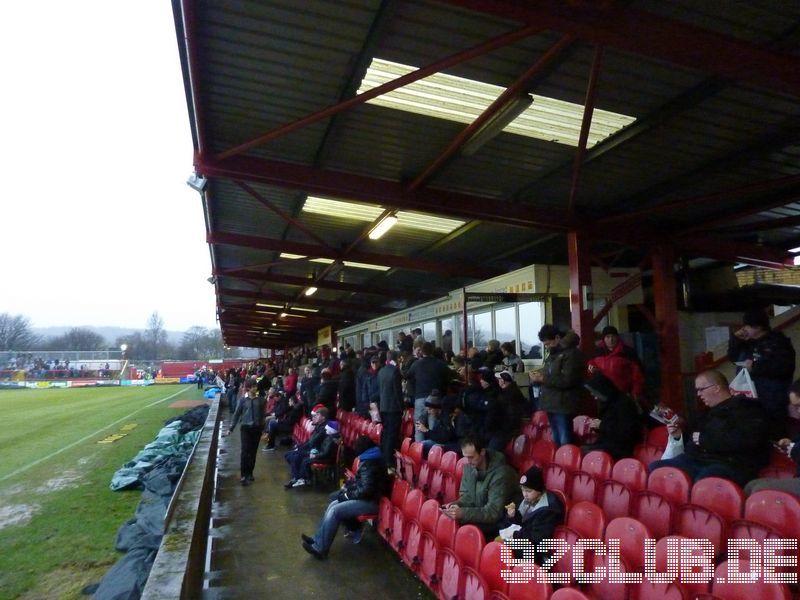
86 437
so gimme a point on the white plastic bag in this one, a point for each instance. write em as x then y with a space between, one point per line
743 385
674 448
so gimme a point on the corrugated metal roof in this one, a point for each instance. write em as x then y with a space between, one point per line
704 129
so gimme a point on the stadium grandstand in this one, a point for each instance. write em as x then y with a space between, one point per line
504 203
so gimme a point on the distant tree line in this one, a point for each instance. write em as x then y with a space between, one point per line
198 343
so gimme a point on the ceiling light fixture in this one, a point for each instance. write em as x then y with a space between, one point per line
310 291
382 226
284 315
499 121
311 310
269 305
462 100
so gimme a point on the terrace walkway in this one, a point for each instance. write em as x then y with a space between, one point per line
256 551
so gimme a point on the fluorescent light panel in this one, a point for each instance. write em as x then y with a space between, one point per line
347 263
368 213
463 100
382 227
269 305
311 310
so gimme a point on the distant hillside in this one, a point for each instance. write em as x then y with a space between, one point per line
109 333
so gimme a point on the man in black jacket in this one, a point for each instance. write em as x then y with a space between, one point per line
729 440
359 496
391 406
769 357
296 457
427 373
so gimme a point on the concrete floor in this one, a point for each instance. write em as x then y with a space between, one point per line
256 551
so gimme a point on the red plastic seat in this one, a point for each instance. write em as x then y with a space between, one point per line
468 545
448 463
403 515
450 487
754 589
669 547
539 418
603 589
533 588
615 499
631 535
776 509
569 457
564 564
436 486
658 437
491 567
424 478
473 585
598 464
429 514
587 519
435 457
569 594
720 495
445 531
647 453
410 551
700 522
659 591
413 462
520 447
673 484
654 511
388 505
584 487
556 477
631 472
542 452
429 560
449 574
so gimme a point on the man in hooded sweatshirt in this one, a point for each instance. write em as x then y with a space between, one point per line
619 427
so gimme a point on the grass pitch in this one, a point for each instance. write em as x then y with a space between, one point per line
58 516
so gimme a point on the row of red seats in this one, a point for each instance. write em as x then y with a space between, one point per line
352 425
438 477
455 562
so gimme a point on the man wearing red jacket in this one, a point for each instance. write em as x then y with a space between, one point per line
619 363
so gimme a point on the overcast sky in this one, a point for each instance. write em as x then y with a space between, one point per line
98 224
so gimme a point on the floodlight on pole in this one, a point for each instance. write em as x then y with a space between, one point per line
197 182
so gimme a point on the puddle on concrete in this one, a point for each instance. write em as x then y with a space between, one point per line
17 514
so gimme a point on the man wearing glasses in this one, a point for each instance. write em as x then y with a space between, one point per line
728 440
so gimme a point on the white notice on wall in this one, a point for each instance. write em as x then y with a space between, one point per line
716 337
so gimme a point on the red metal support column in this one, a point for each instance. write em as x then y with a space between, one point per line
666 313
580 286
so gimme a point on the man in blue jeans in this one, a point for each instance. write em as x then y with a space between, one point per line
561 378
359 496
